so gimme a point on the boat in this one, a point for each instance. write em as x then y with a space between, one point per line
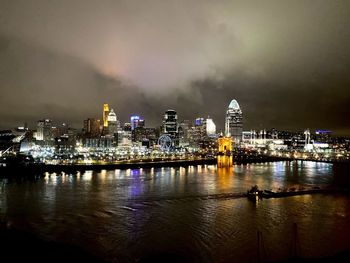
254 193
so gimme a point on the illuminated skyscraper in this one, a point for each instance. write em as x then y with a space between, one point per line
233 122
184 126
170 122
210 127
44 132
199 121
105 115
136 121
40 130
112 122
170 126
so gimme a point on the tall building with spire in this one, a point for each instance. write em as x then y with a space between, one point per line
105 115
112 123
233 122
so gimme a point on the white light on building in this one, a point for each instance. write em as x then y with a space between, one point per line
211 127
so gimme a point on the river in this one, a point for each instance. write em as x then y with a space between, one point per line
128 215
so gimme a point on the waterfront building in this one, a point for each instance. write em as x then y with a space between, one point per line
233 122
105 115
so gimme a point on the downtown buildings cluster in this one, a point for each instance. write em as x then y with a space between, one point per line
108 139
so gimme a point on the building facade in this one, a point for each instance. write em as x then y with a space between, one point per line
112 123
105 115
170 126
136 121
210 127
91 128
44 130
233 122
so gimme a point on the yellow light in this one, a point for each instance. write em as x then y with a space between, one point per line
105 114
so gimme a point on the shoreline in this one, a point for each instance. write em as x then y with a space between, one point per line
37 169
40 169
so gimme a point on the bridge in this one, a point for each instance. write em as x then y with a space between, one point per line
10 141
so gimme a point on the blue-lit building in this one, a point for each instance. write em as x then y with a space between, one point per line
136 121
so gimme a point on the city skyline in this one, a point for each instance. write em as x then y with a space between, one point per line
158 123
286 63
175 131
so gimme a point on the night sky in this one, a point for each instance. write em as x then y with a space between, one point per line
287 63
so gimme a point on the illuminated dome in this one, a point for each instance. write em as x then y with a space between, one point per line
112 116
233 105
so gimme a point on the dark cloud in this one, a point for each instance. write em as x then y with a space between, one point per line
286 62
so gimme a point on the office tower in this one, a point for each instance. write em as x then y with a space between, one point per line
199 121
92 128
136 121
105 115
40 131
233 122
170 126
44 132
112 123
170 122
210 127
127 126
184 127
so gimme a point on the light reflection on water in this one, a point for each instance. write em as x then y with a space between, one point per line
122 215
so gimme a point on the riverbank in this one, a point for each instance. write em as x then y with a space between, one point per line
37 169
41 169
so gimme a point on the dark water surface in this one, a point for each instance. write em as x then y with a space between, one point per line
127 215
